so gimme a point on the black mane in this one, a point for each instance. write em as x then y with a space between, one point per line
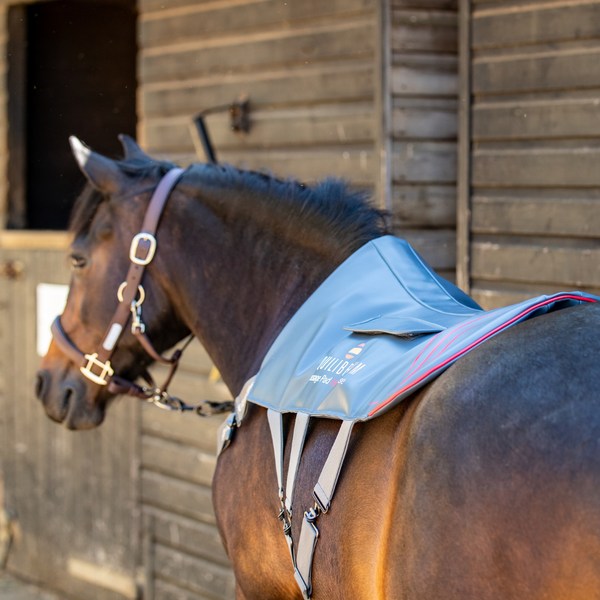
331 209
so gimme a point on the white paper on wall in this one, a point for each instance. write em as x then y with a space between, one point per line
51 301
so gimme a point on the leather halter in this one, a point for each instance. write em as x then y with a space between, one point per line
96 367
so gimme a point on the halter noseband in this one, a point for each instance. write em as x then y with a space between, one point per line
96 367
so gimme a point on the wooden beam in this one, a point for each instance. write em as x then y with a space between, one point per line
383 103
463 208
35 240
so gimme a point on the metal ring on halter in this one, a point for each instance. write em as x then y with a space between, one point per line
140 289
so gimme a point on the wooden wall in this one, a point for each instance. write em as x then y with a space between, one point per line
535 172
307 66
424 127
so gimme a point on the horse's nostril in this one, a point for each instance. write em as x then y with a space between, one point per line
42 379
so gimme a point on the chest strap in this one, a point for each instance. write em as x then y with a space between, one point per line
300 429
322 493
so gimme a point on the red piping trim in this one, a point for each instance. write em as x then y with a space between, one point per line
444 337
475 343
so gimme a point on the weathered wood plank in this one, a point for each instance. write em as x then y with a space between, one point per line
309 166
535 166
354 39
192 537
502 5
536 24
543 264
171 494
206 20
198 575
424 162
195 359
425 4
150 8
548 70
536 216
422 81
178 460
436 246
318 125
351 81
423 206
356 164
416 17
492 299
493 294
424 123
168 591
183 428
424 39
544 119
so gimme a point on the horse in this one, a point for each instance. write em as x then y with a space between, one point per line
481 485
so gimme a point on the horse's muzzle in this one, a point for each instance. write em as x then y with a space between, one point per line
66 401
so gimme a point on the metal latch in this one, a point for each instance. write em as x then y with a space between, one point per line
239 122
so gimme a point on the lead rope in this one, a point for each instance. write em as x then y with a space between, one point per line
323 491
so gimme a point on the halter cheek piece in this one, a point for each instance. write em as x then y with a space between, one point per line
96 367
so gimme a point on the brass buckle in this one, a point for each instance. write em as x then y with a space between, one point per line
93 361
135 242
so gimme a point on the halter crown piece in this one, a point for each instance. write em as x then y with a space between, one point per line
131 294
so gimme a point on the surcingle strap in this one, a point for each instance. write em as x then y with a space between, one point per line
300 428
276 427
323 494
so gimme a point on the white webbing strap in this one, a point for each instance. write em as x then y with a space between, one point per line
276 426
323 494
299 435
306 550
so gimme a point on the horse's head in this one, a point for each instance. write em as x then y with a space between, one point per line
106 217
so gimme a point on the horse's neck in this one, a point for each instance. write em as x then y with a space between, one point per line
237 293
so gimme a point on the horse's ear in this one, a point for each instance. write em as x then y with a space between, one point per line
104 174
130 147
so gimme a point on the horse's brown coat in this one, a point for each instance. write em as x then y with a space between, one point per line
484 485
476 488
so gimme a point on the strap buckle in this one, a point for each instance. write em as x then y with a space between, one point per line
93 361
137 326
135 242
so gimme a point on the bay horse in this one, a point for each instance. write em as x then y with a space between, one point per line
485 484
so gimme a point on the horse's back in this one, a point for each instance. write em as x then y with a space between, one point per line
499 489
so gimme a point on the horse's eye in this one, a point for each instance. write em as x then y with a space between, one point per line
78 261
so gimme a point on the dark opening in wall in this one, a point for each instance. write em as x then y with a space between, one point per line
72 71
